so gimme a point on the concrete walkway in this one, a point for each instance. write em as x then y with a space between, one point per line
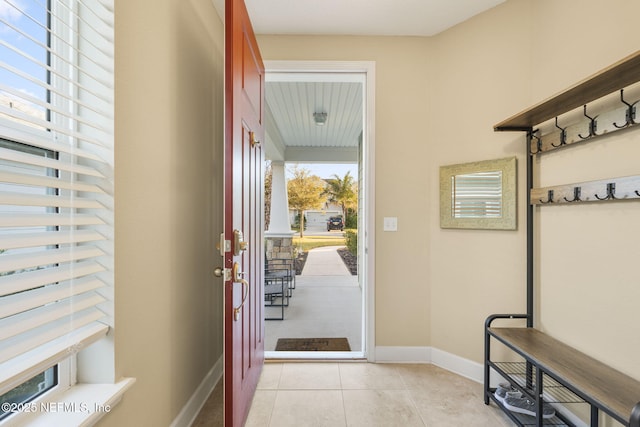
327 302
325 261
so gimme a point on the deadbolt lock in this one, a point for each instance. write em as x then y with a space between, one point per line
223 272
239 244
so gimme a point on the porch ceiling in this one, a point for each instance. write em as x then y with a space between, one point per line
293 135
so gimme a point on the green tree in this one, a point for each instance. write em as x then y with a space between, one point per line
343 191
305 191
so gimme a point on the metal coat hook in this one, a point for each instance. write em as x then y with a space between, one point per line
611 192
631 112
592 124
563 135
637 194
538 143
549 197
576 195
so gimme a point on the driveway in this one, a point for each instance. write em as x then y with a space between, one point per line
315 230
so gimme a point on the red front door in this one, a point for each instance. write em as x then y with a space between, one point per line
244 194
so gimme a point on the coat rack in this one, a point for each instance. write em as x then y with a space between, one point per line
612 120
625 188
543 362
590 127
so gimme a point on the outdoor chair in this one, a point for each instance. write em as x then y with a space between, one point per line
276 288
285 268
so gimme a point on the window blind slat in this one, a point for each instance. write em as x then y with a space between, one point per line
32 279
32 100
34 220
60 20
35 318
23 343
43 139
44 296
18 370
102 28
44 124
16 262
46 181
30 159
18 199
35 61
37 239
101 102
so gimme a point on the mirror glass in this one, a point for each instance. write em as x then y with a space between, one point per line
479 195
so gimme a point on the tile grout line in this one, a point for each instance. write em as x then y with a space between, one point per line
344 407
273 406
415 406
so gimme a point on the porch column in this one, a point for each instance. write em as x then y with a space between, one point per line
278 236
279 219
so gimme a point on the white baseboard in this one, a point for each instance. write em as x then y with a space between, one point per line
459 365
190 411
451 362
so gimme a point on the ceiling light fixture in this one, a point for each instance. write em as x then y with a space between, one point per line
320 118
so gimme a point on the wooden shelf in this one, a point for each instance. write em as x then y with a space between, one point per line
615 77
607 388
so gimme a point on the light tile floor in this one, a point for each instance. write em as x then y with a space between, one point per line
363 394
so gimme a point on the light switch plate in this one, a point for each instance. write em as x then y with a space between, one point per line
390 223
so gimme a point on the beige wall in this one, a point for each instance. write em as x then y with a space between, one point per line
437 100
169 116
483 76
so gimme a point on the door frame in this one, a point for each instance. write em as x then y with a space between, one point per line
368 69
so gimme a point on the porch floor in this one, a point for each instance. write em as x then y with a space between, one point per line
327 303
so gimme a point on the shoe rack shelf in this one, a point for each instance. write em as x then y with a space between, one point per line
546 370
559 375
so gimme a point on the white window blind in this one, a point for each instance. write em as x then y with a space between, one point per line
477 195
56 181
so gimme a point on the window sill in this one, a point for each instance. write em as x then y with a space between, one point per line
81 405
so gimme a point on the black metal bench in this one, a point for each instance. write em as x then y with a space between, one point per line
550 368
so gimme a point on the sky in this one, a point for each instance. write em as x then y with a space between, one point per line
32 43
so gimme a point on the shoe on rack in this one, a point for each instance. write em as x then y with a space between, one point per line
526 406
505 390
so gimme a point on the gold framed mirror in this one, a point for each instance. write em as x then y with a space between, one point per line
479 195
